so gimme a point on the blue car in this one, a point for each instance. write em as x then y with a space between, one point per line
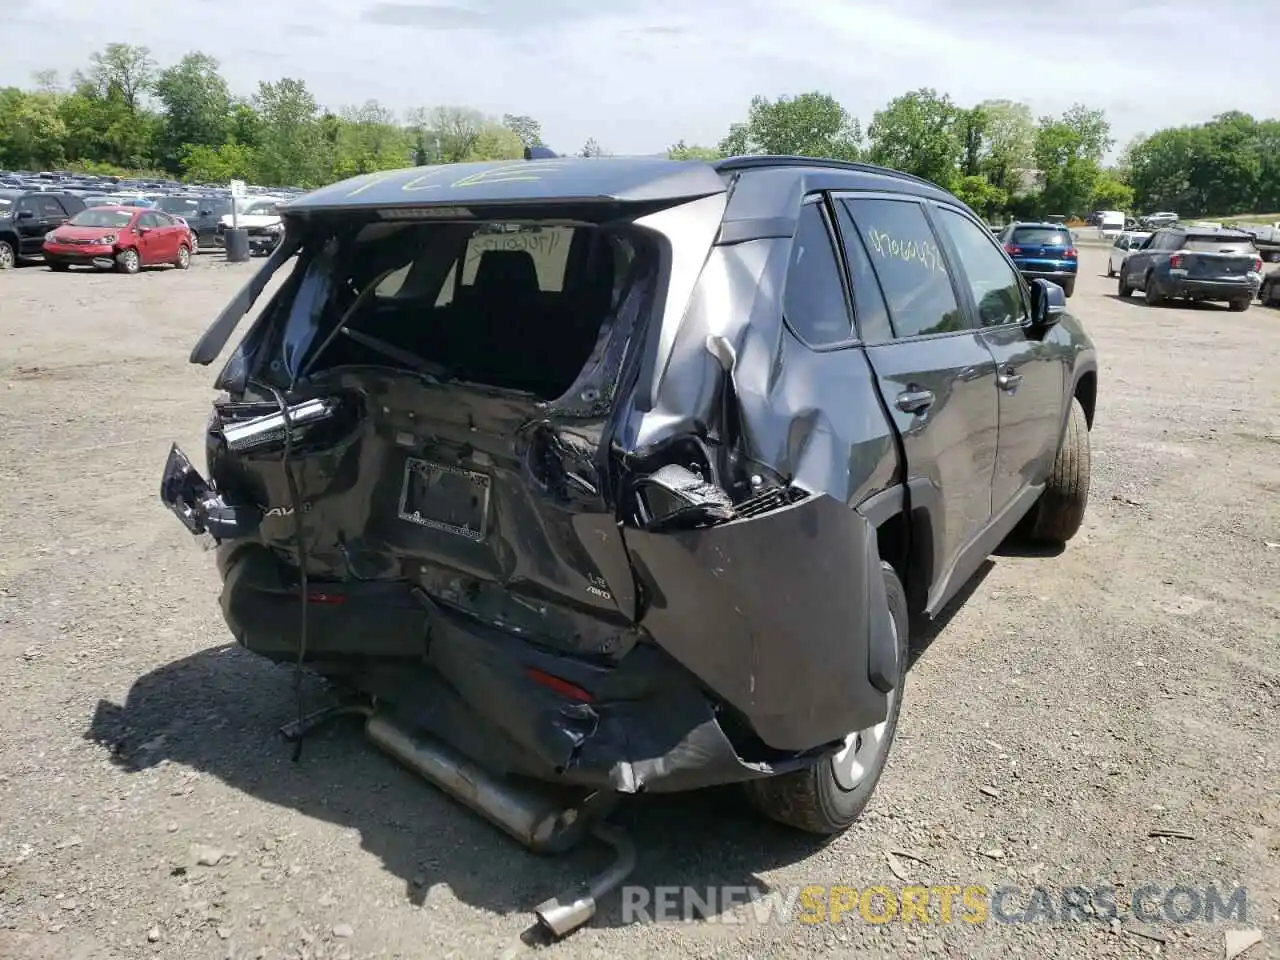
1043 250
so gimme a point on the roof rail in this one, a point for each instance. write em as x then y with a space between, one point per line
754 162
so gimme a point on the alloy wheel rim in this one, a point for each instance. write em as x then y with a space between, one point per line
6 256
855 760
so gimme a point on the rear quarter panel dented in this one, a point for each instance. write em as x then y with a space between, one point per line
776 613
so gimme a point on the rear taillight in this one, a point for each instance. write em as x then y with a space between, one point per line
1071 253
1009 248
1257 265
564 688
1175 261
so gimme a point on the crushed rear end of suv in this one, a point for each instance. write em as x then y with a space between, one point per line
580 474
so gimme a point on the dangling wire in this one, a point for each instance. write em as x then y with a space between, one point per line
299 536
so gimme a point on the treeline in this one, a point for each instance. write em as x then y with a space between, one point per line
126 113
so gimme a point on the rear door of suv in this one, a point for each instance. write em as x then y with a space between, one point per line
935 372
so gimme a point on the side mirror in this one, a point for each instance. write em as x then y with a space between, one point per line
24 215
1048 303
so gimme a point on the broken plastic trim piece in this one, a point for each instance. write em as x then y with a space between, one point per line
270 429
674 497
188 495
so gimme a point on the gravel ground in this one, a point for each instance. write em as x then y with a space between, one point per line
1070 707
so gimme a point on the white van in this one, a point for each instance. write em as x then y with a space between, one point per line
1110 224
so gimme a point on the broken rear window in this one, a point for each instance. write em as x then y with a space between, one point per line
514 306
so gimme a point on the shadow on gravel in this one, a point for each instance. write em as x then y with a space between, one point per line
1138 301
922 637
218 712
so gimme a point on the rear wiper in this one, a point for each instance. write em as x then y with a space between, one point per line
399 354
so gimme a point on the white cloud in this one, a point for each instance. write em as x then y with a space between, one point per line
640 74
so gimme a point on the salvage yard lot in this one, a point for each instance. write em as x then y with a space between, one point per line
1071 707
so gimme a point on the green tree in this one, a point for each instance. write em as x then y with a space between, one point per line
32 134
809 125
683 151
526 128
368 138
292 149
121 69
105 129
1068 152
219 165
984 199
197 107
1110 193
1008 134
920 133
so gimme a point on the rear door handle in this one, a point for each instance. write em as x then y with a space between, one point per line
1008 380
914 401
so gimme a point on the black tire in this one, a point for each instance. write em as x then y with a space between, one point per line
59 267
8 255
1110 269
1122 288
812 799
1057 515
1068 287
1153 297
1240 304
128 261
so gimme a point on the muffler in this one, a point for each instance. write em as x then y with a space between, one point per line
544 820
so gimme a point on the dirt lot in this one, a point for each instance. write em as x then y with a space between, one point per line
1072 705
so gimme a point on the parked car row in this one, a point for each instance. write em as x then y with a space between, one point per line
31 204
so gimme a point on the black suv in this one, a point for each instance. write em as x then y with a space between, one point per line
26 216
632 474
1194 263
203 213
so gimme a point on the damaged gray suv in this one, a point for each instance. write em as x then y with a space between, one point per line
623 475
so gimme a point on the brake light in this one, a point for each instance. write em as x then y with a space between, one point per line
1175 261
1257 265
566 689
1071 253
1011 249
333 599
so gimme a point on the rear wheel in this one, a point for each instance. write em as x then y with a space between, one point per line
195 242
184 257
1058 513
1240 304
1111 271
1068 287
59 267
1154 299
7 256
829 796
128 261
1123 289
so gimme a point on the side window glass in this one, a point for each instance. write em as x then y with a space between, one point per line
51 209
28 204
996 289
908 262
813 302
869 310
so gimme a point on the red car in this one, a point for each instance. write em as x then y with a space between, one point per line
120 238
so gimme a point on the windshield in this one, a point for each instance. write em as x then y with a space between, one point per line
1212 244
1041 236
261 210
101 218
514 306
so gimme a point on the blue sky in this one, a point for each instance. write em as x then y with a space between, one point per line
640 74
